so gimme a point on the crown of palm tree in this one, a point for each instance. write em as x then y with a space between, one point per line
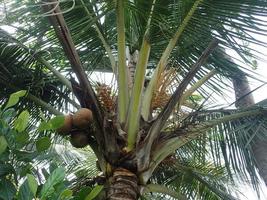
156 123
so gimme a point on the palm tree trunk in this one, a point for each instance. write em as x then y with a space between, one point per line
244 99
243 95
123 185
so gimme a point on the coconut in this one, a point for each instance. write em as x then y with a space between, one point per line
82 118
79 139
66 127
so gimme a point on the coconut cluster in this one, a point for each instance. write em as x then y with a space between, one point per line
78 121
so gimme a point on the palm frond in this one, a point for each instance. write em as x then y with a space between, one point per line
26 72
195 180
229 144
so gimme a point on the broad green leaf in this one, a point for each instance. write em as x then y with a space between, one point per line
82 194
8 114
43 144
56 177
25 192
95 191
66 194
22 137
22 121
14 98
32 183
58 189
44 126
7 189
57 122
3 144
52 124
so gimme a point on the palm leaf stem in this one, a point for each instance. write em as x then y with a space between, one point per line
197 85
63 34
65 38
222 194
60 77
150 18
136 97
175 38
158 124
43 104
133 116
163 61
123 97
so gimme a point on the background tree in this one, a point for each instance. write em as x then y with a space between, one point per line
150 132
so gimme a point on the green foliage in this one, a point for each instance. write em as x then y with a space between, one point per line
22 138
83 192
7 189
53 180
32 183
95 191
21 122
5 169
52 124
3 144
43 144
25 191
14 98
66 194
178 32
18 177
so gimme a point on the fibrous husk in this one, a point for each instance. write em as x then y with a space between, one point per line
82 118
67 126
79 139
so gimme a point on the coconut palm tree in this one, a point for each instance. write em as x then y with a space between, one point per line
154 130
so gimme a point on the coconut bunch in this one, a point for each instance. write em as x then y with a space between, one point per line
161 95
75 125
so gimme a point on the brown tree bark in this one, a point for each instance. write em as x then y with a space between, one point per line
243 95
244 99
123 185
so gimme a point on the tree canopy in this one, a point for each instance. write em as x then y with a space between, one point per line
157 128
